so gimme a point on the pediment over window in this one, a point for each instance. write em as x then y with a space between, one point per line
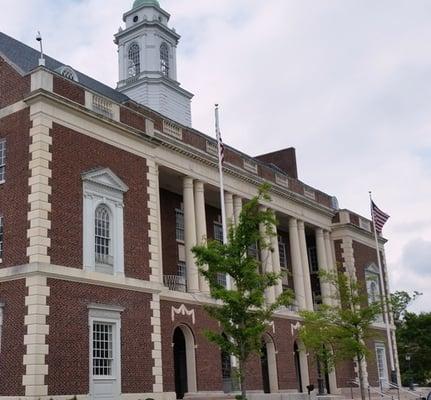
105 178
372 268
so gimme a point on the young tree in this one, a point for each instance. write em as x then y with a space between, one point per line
242 312
340 330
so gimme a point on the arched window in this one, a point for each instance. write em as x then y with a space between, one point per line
164 59
134 59
103 236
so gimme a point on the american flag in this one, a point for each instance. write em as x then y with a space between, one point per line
220 147
379 217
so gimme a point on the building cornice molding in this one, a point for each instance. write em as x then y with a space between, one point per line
357 234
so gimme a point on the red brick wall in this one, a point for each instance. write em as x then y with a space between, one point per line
284 345
373 374
12 294
364 256
14 192
68 339
13 86
168 203
285 159
133 119
212 215
73 154
67 88
345 373
158 120
194 140
208 356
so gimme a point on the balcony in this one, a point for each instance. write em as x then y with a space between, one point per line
176 283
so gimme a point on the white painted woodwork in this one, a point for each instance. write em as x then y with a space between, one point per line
298 277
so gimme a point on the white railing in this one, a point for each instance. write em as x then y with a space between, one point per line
102 106
175 282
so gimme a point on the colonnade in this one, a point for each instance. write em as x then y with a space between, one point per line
195 232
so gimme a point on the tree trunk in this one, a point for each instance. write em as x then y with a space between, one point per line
361 377
241 368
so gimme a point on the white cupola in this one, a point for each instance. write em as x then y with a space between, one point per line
147 62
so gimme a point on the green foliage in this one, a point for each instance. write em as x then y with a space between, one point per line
414 340
242 310
399 302
340 331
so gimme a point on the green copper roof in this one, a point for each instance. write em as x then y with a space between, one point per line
139 3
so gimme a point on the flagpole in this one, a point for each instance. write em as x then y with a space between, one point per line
220 168
385 295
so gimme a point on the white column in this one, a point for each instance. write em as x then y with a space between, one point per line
325 287
278 289
201 225
228 204
266 258
305 266
237 207
190 235
298 278
303 365
331 263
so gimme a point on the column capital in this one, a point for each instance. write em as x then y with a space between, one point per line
293 222
188 182
199 186
301 225
319 231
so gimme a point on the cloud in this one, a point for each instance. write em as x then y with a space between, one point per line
346 83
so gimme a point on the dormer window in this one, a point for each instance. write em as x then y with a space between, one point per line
164 59
134 60
68 73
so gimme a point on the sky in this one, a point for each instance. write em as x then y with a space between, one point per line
347 83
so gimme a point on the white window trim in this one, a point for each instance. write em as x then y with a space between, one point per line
179 211
383 381
110 315
103 187
372 275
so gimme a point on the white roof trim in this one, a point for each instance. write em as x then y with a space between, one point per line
106 178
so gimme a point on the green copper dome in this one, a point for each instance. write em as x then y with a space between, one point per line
139 3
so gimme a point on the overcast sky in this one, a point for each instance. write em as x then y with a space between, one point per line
347 83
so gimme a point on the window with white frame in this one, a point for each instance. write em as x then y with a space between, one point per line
382 367
312 259
253 251
102 235
218 232
2 160
282 252
179 225
103 230
1 237
104 323
164 59
372 278
103 349
134 60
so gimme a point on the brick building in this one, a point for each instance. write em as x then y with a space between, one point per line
103 192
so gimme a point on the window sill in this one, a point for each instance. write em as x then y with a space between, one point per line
180 241
3 181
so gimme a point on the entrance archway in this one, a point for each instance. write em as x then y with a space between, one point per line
298 367
268 362
184 361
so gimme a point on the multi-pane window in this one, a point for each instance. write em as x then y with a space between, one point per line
103 235
312 259
253 251
282 252
1 237
164 59
134 60
381 365
2 159
218 232
179 225
103 353
372 278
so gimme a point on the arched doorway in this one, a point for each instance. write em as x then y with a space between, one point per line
298 367
184 361
269 365
226 370
265 368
